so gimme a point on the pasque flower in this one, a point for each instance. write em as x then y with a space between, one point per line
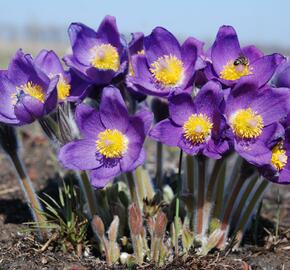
165 66
230 63
195 125
26 93
112 140
278 167
70 87
100 56
253 116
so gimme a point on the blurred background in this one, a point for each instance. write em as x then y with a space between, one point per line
33 24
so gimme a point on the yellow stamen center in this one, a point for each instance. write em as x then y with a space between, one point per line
31 89
105 57
167 70
63 88
141 52
197 128
247 124
112 143
233 72
279 158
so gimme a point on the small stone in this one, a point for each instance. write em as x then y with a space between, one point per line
86 252
44 260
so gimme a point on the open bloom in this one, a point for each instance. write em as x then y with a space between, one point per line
100 56
278 169
70 87
196 126
231 63
165 66
112 140
252 115
26 93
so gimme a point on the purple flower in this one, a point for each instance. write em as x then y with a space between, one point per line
196 126
69 87
282 75
231 63
166 66
100 56
136 46
112 140
26 92
252 115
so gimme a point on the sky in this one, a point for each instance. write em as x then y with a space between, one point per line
264 22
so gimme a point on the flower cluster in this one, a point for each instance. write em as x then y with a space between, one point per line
226 108
219 100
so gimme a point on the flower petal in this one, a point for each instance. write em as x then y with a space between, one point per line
264 68
79 88
79 155
136 133
22 114
180 108
108 32
159 43
51 96
89 73
22 70
252 53
225 48
49 62
33 106
104 174
88 121
113 110
255 153
166 132
137 43
208 100
272 103
96 181
82 39
7 90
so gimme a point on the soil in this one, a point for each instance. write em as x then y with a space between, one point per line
20 250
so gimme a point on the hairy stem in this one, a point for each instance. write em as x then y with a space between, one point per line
88 193
219 194
176 225
231 202
200 196
210 188
213 178
229 209
132 188
30 195
278 214
159 165
176 218
190 174
140 185
190 179
243 200
249 210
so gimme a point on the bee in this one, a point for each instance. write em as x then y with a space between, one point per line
241 60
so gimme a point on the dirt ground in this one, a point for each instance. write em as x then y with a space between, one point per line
19 250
